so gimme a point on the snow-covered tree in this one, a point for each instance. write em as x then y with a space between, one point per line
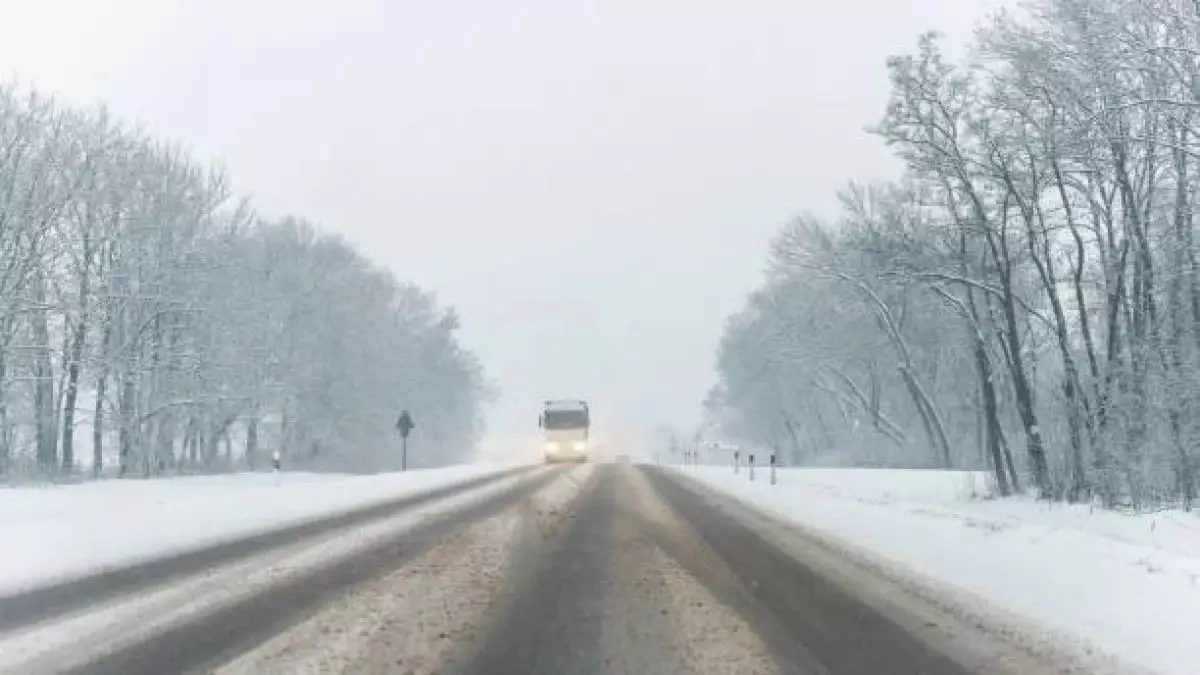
1028 296
147 313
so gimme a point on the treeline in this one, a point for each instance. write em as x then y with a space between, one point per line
150 321
1027 296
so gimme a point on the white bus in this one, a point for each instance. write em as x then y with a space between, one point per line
565 426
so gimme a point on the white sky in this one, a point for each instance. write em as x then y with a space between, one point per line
592 185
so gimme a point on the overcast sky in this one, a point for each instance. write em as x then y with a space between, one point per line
591 184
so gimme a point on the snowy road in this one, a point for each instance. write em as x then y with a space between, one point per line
580 570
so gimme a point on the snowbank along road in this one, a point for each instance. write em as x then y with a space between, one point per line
582 570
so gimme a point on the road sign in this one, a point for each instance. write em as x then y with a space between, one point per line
405 425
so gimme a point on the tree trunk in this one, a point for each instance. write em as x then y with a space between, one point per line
1034 446
791 429
192 442
43 387
98 426
126 424
983 365
285 431
1183 224
1013 476
929 418
5 442
870 404
1077 271
992 431
991 419
101 394
164 445
1074 400
252 442
997 246
211 443
932 420
74 369
1142 314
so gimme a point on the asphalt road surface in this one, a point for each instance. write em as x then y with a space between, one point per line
650 578
609 568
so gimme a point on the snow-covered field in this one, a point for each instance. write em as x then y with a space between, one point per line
1129 584
70 643
49 534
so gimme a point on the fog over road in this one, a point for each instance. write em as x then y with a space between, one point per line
596 568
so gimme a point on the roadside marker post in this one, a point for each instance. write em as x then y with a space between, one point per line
735 461
772 469
751 468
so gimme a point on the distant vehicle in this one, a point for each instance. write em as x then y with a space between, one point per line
622 458
565 425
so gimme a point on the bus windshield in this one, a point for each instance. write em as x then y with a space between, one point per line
565 419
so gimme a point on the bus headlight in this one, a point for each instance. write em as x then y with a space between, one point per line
580 446
552 446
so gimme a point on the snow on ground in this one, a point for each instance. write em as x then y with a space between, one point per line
1130 584
49 534
70 643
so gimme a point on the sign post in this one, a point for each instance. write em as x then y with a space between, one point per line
405 426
